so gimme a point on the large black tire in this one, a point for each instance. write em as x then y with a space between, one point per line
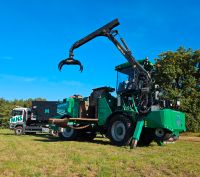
87 135
161 135
67 134
19 130
120 130
91 136
146 137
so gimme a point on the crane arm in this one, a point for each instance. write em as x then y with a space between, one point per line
106 31
99 32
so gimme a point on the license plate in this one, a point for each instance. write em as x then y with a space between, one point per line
45 130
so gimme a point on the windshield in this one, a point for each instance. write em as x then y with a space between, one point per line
16 113
126 80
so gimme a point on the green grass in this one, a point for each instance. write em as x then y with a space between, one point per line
191 134
43 155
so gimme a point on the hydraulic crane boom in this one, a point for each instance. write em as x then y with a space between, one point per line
106 31
99 32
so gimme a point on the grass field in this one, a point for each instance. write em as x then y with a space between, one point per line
42 155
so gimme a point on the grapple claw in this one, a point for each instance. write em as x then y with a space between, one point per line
70 61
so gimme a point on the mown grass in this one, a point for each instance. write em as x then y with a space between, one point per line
42 155
191 134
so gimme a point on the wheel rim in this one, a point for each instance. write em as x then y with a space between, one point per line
67 132
118 131
18 131
159 132
54 133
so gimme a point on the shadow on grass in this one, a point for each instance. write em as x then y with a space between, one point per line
45 138
98 140
6 134
49 138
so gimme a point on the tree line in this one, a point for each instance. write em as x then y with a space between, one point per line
178 74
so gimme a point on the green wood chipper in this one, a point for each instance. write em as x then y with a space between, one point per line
138 114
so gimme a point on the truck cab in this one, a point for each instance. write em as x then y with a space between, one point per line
24 121
19 116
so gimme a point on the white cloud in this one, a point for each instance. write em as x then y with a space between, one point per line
17 78
72 83
6 58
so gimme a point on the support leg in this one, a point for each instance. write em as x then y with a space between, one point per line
137 133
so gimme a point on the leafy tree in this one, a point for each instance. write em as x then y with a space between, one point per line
178 74
6 106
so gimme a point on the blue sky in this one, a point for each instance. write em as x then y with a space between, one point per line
36 34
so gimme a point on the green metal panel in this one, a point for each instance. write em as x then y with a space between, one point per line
53 127
122 66
103 111
138 129
76 107
166 118
127 65
70 107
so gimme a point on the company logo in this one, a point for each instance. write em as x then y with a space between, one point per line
16 119
61 108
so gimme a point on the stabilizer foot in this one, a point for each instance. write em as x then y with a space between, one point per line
133 144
